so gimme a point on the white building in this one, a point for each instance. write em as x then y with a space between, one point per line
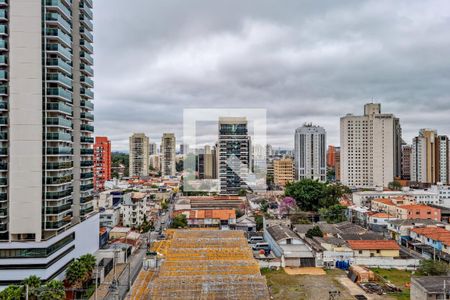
310 153
133 209
110 217
139 154
46 144
370 148
168 154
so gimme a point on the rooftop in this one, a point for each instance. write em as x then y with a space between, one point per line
373 245
414 222
432 284
280 232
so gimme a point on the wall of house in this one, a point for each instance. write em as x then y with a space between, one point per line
375 253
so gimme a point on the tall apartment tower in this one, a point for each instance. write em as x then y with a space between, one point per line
310 153
429 158
234 159
168 154
370 148
406 162
153 149
139 147
331 156
46 154
283 170
102 162
206 163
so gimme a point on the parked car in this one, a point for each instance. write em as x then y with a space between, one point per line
261 246
255 239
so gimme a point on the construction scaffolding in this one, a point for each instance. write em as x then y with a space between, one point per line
204 264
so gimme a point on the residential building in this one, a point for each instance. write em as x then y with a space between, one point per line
168 151
400 229
406 162
331 156
102 162
246 223
429 287
155 162
379 222
283 170
435 237
310 153
110 217
337 166
375 248
221 218
184 149
430 158
370 148
406 211
139 156
46 154
152 149
206 163
233 153
133 209
430 196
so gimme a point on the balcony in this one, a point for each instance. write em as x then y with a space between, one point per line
89 175
59 166
58 180
87 151
59 79
3 121
86 22
60 64
86 187
3 75
87 93
59 151
3 166
87 139
87 70
3 181
85 211
3 212
3 105
56 19
60 93
3 90
56 225
86 34
3 227
56 210
54 33
86 46
87 104
3 30
57 5
59 136
84 8
58 195
59 122
3 60
87 116
86 199
5 3
59 107
60 50
3 151
86 127
87 81
3 197
87 58
3 15
3 45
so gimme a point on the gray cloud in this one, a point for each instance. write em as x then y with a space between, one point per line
304 61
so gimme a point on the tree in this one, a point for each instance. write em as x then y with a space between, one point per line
287 205
53 290
307 193
89 261
12 292
34 283
395 185
179 221
75 274
264 205
333 214
315 231
259 220
242 192
431 267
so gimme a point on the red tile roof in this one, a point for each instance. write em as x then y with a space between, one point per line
373 245
384 201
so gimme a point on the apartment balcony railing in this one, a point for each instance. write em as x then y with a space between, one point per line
59 6
55 18
59 78
87 139
60 50
59 166
56 225
55 33
59 107
87 127
86 46
87 151
59 151
59 63
58 180
87 104
87 81
58 121
59 136
58 195
55 210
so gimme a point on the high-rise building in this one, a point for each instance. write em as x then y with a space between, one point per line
429 158
206 163
331 157
46 154
102 162
406 162
168 154
310 153
152 149
283 170
184 149
234 159
337 165
139 147
370 148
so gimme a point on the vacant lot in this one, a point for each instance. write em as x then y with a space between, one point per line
284 286
400 278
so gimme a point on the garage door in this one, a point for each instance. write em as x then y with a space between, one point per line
307 262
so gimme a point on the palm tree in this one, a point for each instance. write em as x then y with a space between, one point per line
53 290
89 262
76 273
34 283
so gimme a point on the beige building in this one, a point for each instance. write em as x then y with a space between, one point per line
370 148
139 156
168 154
283 170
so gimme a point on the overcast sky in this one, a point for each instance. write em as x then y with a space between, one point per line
303 61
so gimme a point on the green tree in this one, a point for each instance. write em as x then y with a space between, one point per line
242 192
259 220
179 221
333 214
431 267
34 283
53 290
307 193
76 273
264 206
89 261
12 292
315 231
395 186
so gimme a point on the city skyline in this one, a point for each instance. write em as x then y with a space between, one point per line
300 56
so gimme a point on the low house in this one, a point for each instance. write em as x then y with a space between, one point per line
246 223
134 209
119 232
289 246
436 237
378 248
400 210
223 218
110 217
379 221
327 229
430 287
399 229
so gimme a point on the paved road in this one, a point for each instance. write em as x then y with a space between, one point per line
411 252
